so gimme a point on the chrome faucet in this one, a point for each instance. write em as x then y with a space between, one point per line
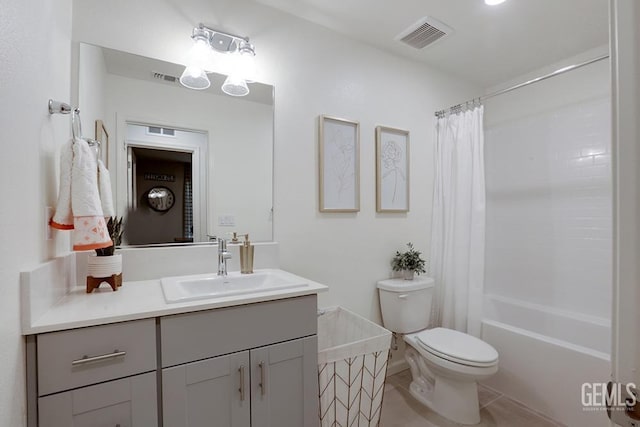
223 256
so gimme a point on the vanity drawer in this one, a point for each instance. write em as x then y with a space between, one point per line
196 336
79 357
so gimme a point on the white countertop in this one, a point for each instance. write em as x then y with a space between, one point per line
136 300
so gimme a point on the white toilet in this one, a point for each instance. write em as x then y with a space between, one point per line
445 364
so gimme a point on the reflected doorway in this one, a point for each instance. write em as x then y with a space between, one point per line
162 185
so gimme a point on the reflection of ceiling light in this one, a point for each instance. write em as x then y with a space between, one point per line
215 50
493 2
194 78
156 193
235 86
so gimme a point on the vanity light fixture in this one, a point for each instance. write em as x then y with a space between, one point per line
494 2
226 53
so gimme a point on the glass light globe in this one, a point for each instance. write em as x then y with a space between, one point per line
194 78
246 64
235 86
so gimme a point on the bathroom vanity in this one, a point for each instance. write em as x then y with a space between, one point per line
243 360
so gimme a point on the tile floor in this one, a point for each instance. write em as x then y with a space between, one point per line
400 409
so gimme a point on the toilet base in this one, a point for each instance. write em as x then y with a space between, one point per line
452 399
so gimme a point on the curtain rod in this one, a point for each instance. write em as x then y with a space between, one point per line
459 107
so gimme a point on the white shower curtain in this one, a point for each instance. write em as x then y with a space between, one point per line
458 224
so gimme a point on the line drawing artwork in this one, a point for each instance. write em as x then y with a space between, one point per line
339 165
392 170
342 151
392 157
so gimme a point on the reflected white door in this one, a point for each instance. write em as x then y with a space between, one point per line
132 201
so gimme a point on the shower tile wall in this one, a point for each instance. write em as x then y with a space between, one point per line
548 173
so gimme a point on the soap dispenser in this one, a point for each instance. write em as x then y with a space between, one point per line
246 256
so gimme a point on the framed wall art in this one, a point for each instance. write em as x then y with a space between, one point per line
103 136
392 170
339 164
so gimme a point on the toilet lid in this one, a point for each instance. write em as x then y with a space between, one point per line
457 347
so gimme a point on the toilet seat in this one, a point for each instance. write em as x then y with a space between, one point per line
456 347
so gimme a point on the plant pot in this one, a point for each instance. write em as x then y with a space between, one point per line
102 269
408 274
104 266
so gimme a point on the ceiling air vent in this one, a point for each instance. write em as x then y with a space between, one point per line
424 32
164 77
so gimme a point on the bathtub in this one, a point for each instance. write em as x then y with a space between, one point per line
546 355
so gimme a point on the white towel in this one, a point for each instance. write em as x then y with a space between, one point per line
89 227
63 217
104 186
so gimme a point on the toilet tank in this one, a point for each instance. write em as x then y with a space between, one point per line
406 304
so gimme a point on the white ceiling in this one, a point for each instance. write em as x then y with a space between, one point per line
489 45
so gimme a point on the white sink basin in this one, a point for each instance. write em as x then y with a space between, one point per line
203 286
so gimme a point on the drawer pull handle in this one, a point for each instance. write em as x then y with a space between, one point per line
241 389
87 359
263 385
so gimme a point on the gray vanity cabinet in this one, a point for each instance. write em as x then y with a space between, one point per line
284 388
98 376
249 365
212 392
204 353
273 386
127 402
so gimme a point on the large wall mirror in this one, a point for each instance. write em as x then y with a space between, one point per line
185 165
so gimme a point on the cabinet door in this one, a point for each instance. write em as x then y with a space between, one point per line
284 384
212 392
129 402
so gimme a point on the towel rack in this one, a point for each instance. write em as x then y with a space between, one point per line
57 107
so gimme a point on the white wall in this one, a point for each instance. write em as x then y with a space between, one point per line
548 164
315 71
35 51
92 72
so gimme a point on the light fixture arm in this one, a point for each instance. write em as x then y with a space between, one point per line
241 54
220 40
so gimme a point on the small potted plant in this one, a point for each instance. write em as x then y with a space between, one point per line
106 265
409 262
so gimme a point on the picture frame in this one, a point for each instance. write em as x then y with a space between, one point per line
392 170
102 135
339 164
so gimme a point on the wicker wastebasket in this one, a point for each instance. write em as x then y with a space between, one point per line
352 366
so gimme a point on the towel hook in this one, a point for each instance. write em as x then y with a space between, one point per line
57 107
76 132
